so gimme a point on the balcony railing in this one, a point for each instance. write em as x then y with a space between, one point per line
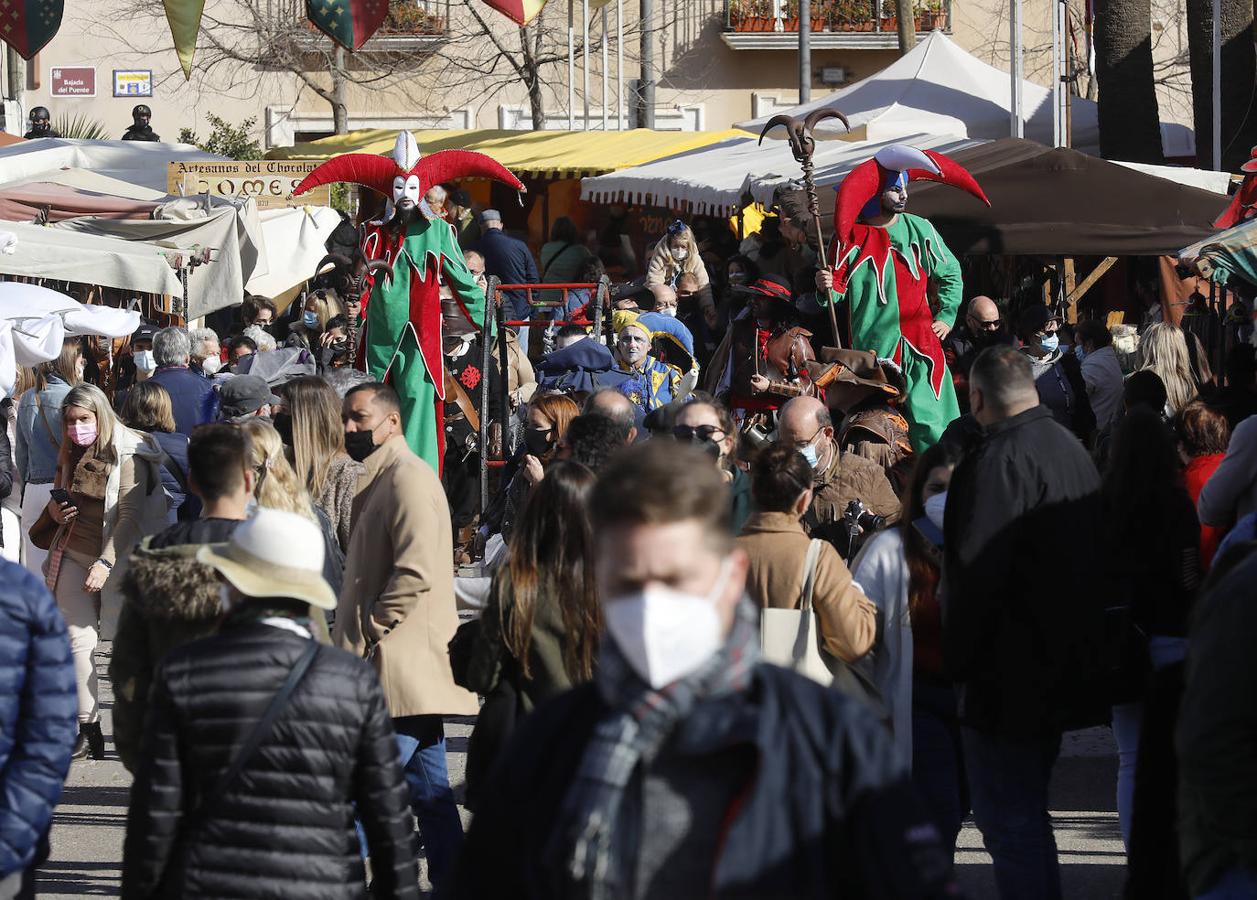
752 24
411 24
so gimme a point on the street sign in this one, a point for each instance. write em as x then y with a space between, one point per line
73 81
133 82
268 181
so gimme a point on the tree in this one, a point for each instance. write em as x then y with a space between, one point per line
1130 126
246 41
1239 118
225 139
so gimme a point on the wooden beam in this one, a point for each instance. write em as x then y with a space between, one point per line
1071 282
1089 282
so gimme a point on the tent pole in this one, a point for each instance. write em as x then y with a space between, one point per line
1015 69
604 69
1217 85
805 51
571 66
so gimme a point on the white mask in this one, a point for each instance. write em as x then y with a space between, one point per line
934 508
666 634
679 253
211 364
669 311
145 361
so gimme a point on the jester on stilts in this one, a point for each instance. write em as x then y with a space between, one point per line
885 265
402 337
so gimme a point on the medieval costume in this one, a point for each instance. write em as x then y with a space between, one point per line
886 271
402 333
762 361
647 381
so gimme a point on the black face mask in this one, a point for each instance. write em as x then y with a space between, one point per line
283 424
359 444
537 440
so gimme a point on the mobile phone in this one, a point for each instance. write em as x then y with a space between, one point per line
62 496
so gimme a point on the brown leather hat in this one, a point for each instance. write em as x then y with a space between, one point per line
850 377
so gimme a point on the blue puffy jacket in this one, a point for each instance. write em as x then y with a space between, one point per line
38 713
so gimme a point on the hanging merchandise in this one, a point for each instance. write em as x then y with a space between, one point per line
184 18
521 12
28 25
349 23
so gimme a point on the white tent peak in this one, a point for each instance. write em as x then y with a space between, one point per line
940 88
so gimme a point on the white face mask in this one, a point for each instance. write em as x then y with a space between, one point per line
934 508
669 311
145 361
211 364
679 253
666 634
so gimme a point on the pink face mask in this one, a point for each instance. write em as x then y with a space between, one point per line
83 433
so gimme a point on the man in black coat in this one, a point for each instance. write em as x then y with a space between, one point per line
509 259
689 768
141 126
225 804
1022 621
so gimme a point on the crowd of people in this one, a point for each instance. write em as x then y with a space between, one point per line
280 575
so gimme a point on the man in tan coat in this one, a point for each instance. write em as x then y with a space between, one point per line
397 606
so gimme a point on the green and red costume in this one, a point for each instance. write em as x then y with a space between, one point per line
402 338
884 272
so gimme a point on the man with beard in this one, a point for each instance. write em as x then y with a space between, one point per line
141 128
983 327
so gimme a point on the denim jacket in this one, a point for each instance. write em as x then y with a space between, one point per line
37 446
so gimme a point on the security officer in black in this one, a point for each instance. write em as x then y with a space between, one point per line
41 124
141 130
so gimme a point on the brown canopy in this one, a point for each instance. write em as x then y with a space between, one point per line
1057 202
22 203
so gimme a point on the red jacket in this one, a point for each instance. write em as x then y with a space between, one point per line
1198 472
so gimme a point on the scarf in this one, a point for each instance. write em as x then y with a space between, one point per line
639 723
89 473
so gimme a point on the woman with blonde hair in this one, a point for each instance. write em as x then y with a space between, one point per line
676 253
1163 349
107 495
307 331
278 487
317 438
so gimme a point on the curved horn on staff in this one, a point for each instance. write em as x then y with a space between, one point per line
379 265
779 119
335 259
819 115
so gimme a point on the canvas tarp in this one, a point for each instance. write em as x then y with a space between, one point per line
559 154
939 88
713 180
135 162
25 202
61 255
296 241
1058 202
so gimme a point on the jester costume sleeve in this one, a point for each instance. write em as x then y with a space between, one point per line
402 336
885 272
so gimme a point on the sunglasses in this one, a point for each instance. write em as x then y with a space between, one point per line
702 432
991 325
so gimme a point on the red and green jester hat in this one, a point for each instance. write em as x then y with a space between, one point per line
884 272
402 335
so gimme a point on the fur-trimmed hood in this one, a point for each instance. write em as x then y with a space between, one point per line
169 584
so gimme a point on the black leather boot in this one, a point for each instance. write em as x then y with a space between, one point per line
90 742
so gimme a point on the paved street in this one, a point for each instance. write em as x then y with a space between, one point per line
91 820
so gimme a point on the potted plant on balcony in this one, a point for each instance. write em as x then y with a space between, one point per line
406 17
930 14
790 17
751 15
852 15
889 15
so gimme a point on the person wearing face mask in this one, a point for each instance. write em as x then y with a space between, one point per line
307 332
777 547
38 439
708 424
110 476
206 356
169 599
837 477
397 608
1057 375
687 767
676 253
983 326
899 570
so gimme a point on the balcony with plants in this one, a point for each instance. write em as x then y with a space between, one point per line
411 25
835 24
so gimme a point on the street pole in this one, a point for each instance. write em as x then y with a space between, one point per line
571 67
604 68
619 63
805 51
584 55
1217 85
1058 74
1015 69
646 86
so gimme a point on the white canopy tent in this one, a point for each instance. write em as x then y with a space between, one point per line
59 255
713 179
34 321
135 162
939 88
